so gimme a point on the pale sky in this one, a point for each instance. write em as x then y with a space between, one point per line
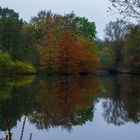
94 10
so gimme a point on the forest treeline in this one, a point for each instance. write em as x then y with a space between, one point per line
67 43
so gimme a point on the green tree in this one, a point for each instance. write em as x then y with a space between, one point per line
8 13
106 56
5 63
10 31
85 27
29 49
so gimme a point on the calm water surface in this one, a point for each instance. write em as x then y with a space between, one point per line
70 108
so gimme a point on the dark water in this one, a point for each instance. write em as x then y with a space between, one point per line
70 108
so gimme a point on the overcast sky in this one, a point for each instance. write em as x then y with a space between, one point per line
94 10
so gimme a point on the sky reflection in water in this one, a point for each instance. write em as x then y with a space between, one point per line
73 107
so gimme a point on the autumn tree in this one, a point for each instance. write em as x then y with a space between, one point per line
76 55
66 44
48 27
61 48
89 60
47 22
48 52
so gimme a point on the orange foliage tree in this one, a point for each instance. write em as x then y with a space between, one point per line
75 55
65 43
48 53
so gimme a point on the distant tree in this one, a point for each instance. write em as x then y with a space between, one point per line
132 49
42 22
8 13
106 56
28 34
129 8
46 22
10 31
116 33
29 50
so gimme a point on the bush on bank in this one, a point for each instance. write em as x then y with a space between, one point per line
7 66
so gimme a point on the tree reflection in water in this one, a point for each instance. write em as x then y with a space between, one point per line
14 103
122 100
67 101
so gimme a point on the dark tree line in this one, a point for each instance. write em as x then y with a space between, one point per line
120 48
66 44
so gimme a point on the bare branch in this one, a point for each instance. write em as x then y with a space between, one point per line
129 8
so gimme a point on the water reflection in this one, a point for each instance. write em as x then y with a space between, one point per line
122 100
16 97
66 101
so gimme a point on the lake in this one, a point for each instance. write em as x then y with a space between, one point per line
70 107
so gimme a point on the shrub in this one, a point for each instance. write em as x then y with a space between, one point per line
20 67
5 63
